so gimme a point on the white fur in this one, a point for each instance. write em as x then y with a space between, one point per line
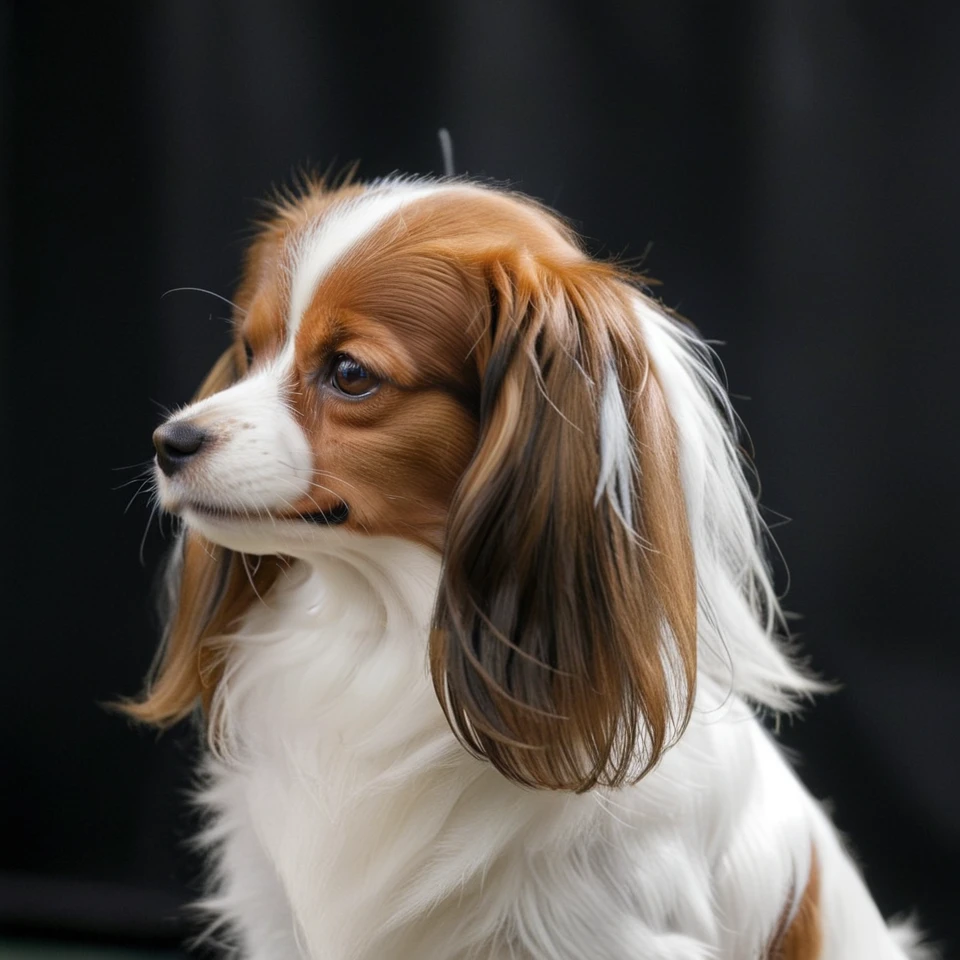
739 612
345 821
348 823
618 465
260 459
338 233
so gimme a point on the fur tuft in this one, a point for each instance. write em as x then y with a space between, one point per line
909 938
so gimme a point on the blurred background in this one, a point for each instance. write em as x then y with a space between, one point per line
790 171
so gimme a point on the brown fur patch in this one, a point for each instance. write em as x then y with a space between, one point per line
801 938
565 642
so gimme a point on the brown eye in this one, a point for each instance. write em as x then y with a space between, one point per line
352 378
248 352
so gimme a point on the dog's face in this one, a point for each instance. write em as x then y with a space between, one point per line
443 363
354 402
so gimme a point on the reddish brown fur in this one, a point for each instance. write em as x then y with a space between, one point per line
554 620
564 647
802 939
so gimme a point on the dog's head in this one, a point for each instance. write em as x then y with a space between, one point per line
442 362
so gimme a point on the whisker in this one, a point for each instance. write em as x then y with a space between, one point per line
239 310
360 523
323 473
137 492
300 513
320 486
246 570
168 412
334 477
128 483
297 513
143 465
146 530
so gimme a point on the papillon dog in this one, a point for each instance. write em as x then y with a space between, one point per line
471 599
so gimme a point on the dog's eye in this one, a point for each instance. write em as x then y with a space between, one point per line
248 353
352 378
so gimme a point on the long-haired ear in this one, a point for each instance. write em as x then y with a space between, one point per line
222 374
564 642
207 589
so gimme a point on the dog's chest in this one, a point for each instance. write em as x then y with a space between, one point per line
349 823
363 835
344 801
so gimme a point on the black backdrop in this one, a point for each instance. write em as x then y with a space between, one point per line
790 170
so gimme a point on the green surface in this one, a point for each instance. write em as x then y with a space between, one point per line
35 950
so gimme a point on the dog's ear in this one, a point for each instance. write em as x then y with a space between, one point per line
564 642
207 589
224 373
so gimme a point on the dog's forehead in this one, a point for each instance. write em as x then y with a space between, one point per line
405 264
300 276
375 267
330 239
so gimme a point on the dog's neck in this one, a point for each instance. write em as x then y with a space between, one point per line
376 827
338 752
338 644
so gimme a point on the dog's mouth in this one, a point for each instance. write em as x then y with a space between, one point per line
334 516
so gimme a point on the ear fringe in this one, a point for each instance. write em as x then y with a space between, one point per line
743 649
206 590
193 582
564 647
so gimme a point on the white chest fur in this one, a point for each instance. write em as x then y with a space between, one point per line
349 824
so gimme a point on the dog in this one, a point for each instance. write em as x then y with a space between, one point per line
471 597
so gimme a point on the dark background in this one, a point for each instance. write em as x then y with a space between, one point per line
790 170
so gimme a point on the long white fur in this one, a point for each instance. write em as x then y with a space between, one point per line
618 465
346 823
739 611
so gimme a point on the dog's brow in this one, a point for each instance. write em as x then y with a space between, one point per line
323 246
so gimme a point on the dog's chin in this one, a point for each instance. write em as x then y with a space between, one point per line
264 533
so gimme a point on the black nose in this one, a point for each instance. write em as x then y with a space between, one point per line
176 444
